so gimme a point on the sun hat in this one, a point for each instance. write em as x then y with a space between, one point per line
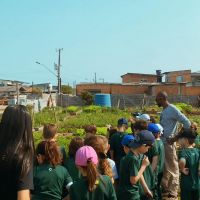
144 137
144 117
84 155
122 121
153 128
127 139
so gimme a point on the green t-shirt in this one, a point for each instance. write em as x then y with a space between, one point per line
129 166
72 169
116 146
49 182
161 155
104 190
197 142
191 181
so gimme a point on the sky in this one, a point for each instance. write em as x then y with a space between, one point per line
106 37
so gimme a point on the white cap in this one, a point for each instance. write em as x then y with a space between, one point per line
144 117
160 128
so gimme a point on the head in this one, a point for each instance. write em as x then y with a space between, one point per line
122 124
186 137
100 145
142 142
127 139
111 130
48 152
16 138
144 117
152 120
74 145
90 130
155 129
49 131
138 126
86 160
161 99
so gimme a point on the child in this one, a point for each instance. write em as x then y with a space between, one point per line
74 145
138 126
127 139
90 130
188 164
106 166
92 185
49 176
132 167
50 133
158 165
116 149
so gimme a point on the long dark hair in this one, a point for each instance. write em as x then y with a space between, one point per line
16 139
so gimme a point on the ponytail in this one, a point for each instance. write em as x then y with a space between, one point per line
92 176
50 151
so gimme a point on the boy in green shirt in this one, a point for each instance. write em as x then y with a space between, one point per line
116 148
132 167
188 164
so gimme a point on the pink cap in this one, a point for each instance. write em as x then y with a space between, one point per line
85 154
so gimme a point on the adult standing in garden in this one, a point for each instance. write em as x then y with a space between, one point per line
170 119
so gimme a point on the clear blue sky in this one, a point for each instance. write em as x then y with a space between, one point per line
109 37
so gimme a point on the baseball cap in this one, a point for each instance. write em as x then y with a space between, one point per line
85 154
144 117
122 121
153 128
127 139
160 129
144 137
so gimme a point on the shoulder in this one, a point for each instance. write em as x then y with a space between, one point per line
111 162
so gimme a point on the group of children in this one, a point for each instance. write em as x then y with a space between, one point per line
119 166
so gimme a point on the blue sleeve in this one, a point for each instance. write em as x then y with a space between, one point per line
180 117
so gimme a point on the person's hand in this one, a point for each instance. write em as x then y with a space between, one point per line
185 171
149 194
145 161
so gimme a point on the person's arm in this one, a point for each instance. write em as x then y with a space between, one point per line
180 117
135 179
183 169
145 187
23 195
154 163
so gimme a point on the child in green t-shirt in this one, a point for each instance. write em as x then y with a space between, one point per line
188 164
132 167
92 185
49 176
50 134
74 145
157 164
116 149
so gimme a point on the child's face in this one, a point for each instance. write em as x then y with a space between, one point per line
143 148
126 149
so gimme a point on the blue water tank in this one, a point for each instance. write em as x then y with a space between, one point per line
103 100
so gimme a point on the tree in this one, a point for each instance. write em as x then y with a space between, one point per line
66 89
87 98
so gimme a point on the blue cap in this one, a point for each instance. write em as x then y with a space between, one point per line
153 128
122 121
127 139
144 137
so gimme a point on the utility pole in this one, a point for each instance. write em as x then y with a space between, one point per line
17 88
58 70
95 77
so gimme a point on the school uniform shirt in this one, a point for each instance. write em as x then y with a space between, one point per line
49 182
116 146
161 155
129 166
11 182
72 169
191 181
104 190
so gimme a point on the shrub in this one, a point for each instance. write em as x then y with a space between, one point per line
92 108
183 107
87 98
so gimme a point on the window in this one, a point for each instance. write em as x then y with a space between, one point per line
179 79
